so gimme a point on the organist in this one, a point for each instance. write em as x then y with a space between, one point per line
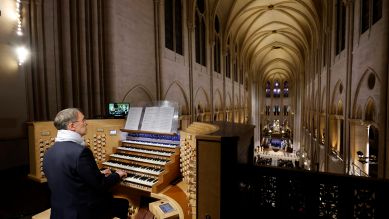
78 188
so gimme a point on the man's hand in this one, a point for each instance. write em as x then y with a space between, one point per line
106 172
121 173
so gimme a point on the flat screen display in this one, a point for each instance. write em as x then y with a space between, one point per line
166 208
118 109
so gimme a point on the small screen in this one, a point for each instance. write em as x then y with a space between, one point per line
118 109
166 208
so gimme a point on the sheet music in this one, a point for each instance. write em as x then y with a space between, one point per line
149 118
165 118
133 118
158 119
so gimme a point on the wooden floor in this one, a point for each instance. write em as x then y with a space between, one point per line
21 198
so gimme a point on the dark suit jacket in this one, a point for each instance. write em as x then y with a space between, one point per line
78 189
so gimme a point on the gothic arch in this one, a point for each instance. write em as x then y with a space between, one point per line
228 101
201 99
237 102
176 92
339 108
370 111
358 114
218 100
336 96
323 100
317 101
137 93
361 88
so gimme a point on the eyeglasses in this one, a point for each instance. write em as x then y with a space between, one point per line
82 121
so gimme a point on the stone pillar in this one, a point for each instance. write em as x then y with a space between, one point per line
157 37
348 109
190 58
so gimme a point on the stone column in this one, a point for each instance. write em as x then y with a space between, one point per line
190 27
348 109
157 37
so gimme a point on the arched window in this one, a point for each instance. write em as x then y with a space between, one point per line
217 47
241 75
228 64
200 40
286 89
235 64
276 89
377 10
276 110
173 26
364 15
267 89
286 110
267 110
371 12
340 26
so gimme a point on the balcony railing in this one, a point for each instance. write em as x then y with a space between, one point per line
291 193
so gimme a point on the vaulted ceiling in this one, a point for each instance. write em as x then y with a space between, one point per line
274 37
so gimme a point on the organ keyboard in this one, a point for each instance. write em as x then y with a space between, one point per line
151 160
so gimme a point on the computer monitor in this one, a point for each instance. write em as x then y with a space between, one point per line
118 110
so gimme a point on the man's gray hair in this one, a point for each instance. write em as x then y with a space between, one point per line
64 117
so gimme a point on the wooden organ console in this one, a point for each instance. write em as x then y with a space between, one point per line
150 159
206 154
209 156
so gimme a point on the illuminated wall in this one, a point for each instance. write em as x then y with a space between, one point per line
13 113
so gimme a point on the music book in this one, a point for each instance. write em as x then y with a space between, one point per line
157 119
133 118
153 119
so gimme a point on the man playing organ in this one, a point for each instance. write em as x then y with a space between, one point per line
78 188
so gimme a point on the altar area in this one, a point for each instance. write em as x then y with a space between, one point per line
276 146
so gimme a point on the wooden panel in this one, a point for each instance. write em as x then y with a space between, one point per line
41 137
101 137
208 178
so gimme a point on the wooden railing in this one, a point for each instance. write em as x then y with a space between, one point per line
290 193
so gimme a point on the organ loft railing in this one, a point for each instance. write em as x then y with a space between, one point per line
291 193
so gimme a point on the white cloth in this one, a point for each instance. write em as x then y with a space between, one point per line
66 135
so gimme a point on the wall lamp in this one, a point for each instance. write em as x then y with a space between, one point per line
19 31
21 51
372 159
22 54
